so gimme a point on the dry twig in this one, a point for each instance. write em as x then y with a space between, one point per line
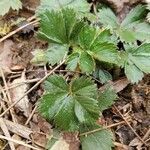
130 126
18 142
6 132
37 84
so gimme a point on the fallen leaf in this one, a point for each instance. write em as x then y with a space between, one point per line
135 142
21 147
63 141
6 56
117 85
18 92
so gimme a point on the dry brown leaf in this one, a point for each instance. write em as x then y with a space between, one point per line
6 56
135 142
18 92
21 147
117 85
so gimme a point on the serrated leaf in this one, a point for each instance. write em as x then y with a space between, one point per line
81 6
141 58
58 26
56 53
138 13
69 105
143 63
72 61
133 73
90 36
103 36
52 27
148 17
126 35
86 63
97 45
106 98
104 76
86 36
137 61
105 52
142 32
101 140
108 18
131 28
5 5
87 88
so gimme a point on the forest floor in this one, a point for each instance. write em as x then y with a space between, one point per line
21 126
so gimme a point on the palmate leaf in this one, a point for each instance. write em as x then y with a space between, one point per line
137 62
100 140
131 28
5 5
59 26
97 44
92 44
69 105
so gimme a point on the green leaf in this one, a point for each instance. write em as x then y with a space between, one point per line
86 62
101 140
102 36
148 17
137 61
86 36
96 44
142 32
81 6
58 26
141 58
106 98
133 73
132 27
5 5
126 35
104 76
52 27
56 53
72 61
105 52
69 105
84 86
39 57
108 18
136 14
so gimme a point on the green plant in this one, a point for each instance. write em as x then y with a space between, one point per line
148 15
132 28
75 104
5 5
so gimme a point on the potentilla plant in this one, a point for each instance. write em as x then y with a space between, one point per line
76 104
